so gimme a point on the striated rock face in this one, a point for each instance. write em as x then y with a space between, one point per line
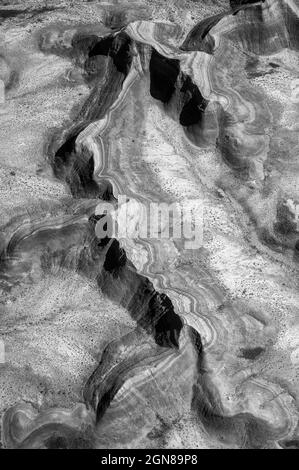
147 341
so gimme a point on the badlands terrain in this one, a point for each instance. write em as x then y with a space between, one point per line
146 342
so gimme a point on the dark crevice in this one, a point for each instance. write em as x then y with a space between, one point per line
118 48
63 155
239 3
101 47
115 258
76 169
72 165
106 399
169 324
163 76
193 110
152 310
82 44
197 38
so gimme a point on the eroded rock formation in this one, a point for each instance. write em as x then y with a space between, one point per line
143 342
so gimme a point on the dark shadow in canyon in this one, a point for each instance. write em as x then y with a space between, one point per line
75 165
163 76
239 3
195 104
